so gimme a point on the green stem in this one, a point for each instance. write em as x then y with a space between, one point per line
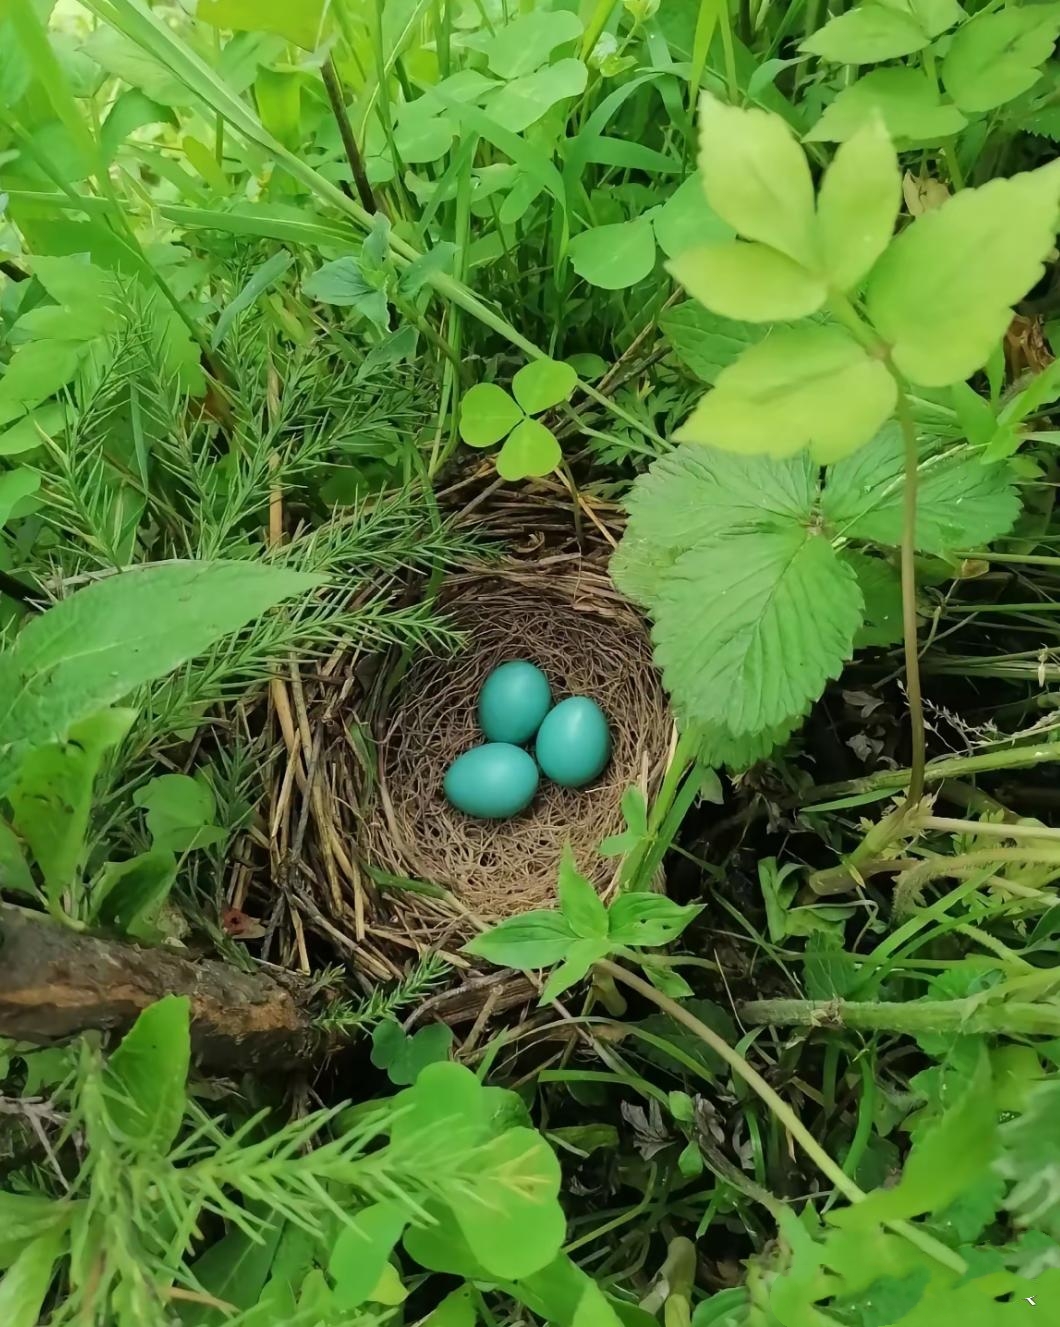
915 1018
909 624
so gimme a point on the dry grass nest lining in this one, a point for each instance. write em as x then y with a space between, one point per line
564 614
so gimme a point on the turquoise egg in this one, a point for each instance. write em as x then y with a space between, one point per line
574 742
513 701
492 782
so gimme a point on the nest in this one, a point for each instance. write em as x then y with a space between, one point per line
365 848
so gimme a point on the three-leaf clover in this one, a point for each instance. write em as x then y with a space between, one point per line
489 414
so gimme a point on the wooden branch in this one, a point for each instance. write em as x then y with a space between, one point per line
56 982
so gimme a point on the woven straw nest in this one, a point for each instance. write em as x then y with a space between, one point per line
381 838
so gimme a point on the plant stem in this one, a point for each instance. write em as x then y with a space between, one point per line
332 85
780 1108
909 626
969 1017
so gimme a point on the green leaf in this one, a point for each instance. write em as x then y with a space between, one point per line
882 31
532 940
748 281
527 42
128 896
146 1077
362 1250
908 100
648 919
36 371
15 485
404 1057
303 22
704 342
810 386
718 748
439 258
881 589
579 902
998 56
487 414
519 104
686 219
756 178
15 875
457 1309
697 495
127 60
25 1284
858 204
343 282
51 798
26 1216
635 813
1030 1160
181 812
514 1226
727 612
543 383
937 297
580 958
530 450
616 256
104 641
25 436
960 501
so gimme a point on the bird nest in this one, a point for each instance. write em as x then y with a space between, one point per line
388 868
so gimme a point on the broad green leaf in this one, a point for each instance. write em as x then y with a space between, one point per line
858 204
908 100
362 1249
697 495
51 797
26 1216
14 486
73 282
748 281
445 1105
457 1309
131 111
997 56
15 875
579 960
881 589
439 258
36 371
543 383
648 919
26 435
727 612
130 62
487 414
25 1284
525 43
514 1224
302 22
530 450
704 342
404 1057
686 219
960 501
882 30
146 1077
532 940
101 643
128 896
181 812
811 386
934 295
756 178
579 902
519 104
343 282
616 256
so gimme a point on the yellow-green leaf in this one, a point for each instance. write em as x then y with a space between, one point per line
809 386
858 205
487 414
998 56
756 177
751 282
530 450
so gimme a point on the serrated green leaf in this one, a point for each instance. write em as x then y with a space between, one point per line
748 281
578 900
718 748
997 56
487 414
530 450
756 178
726 613
1030 1159
960 501
543 383
694 495
942 294
857 205
882 31
881 589
616 256
648 919
705 342
532 940
908 100
810 386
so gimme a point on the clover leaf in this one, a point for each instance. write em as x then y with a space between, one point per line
489 414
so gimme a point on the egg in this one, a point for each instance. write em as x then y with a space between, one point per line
574 742
493 781
513 701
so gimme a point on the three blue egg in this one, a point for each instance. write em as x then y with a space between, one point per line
499 778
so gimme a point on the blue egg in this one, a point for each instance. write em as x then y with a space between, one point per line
513 701
493 781
574 742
